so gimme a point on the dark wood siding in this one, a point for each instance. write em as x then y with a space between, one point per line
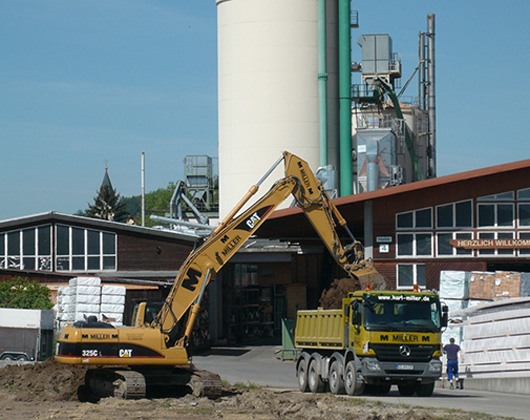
141 253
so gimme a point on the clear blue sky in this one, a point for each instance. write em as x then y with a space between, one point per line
85 82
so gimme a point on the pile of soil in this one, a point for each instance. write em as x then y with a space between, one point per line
332 298
46 381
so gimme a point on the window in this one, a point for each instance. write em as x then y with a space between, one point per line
444 247
454 215
523 195
414 244
524 215
418 219
27 249
524 235
410 274
497 246
81 249
495 215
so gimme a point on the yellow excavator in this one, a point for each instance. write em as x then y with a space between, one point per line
131 361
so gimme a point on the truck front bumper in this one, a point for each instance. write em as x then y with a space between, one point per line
373 370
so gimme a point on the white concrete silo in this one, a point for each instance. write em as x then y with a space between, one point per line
268 90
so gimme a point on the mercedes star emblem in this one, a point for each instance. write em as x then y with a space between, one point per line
404 351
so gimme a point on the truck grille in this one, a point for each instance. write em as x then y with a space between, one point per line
393 353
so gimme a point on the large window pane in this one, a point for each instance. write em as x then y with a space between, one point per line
78 241
524 251
504 215
444 216
78 263
486 235
463 214
423 244
13 243
424 218
463 251
404 244
29 263
28 242
92 242
524 194
109 263
486 215
109 243
44 240
524 214
2 247
63 240
405 275
443 245
421 278
404 220
502 251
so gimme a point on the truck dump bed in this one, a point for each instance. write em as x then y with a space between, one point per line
320 329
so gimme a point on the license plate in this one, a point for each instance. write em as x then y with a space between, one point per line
405 367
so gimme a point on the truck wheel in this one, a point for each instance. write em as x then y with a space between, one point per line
301 373
425 390
22 358
316 384
351 383
336 383
406 390
8 357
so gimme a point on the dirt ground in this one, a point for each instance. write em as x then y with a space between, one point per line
48 391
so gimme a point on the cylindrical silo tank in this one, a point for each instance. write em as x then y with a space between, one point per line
268 90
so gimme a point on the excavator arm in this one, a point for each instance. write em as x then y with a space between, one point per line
177 316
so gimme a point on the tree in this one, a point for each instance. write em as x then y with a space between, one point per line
22 293
108 205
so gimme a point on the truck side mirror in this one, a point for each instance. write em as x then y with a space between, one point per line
445 315
355 314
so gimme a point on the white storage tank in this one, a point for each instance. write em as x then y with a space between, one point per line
268 89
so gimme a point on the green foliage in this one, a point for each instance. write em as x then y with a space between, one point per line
108 205
22 293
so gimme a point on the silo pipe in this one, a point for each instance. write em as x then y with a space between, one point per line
345 130
322 83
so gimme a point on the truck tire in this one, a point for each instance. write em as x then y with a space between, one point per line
301 373
351 383
425 390
336 383
407 390
316 384
8 357
22 358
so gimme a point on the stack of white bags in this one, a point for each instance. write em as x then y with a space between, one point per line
85 296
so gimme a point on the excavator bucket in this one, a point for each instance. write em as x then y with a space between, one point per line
370 278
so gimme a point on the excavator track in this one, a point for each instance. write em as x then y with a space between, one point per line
148 382
205 384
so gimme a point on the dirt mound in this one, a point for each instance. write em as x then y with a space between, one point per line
332 297
47 381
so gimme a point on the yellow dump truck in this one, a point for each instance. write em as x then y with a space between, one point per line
378 339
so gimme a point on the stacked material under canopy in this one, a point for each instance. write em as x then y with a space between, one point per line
454 292
497 340
85 296
112 304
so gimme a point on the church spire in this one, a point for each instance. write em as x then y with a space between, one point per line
106 180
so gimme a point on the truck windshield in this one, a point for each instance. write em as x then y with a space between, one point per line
395 313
